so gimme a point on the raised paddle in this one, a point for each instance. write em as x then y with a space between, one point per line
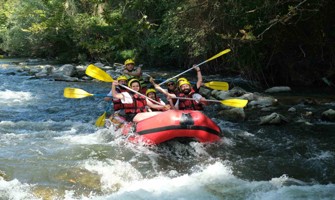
212 58
237 103
101 75
214 85
76 93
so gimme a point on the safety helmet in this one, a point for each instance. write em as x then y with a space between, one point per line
150 90
171 80
181 79
183 82
122 77
132 81
129 61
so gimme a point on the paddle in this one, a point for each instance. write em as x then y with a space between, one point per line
101 120
237 103
76 93
216 85
212 58
79 93
97 73
101 75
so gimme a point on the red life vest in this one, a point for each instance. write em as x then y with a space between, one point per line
117 104
176 92
186 104
138 105
158 100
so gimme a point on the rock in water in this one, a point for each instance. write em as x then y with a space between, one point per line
273 118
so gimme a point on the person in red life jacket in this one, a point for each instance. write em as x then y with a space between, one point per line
171 88
118 117
151 93
198 84
131 72
134 103
117 105
188 99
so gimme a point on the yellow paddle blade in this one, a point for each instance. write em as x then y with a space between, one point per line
101 120
76 93
97 73
219 54
216 85
238 103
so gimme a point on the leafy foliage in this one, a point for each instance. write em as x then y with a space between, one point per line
272 42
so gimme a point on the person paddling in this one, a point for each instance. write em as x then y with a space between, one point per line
194 100
135 104
198 84
151 93
174 91
171 89
118 117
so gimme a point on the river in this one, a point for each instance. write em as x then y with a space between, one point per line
51 149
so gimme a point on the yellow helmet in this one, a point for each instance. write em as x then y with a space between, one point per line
132 81
129 61
183 82
181 79
150 90
122 77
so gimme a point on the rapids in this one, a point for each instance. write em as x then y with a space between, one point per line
50 149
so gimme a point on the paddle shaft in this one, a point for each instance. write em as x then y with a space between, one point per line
195 99
181 73
217 55
141 94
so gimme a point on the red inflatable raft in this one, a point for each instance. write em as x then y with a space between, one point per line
173 124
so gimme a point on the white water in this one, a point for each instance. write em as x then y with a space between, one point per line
213 181
50 148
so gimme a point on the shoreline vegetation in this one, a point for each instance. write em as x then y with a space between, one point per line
281 43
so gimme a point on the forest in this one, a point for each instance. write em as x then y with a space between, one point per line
274 42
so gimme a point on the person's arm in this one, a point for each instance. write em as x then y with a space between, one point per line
199 76
115 94
158 87
155 106
109 96
137 72
200 99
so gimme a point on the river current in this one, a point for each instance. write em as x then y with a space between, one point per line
51 149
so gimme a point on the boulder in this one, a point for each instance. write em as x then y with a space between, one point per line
273 118
237 92
328 115
99 64
205 92
223 95
278 89
67 70
233 114
80 69
262 101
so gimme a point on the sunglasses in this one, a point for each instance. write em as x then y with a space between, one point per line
170 84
